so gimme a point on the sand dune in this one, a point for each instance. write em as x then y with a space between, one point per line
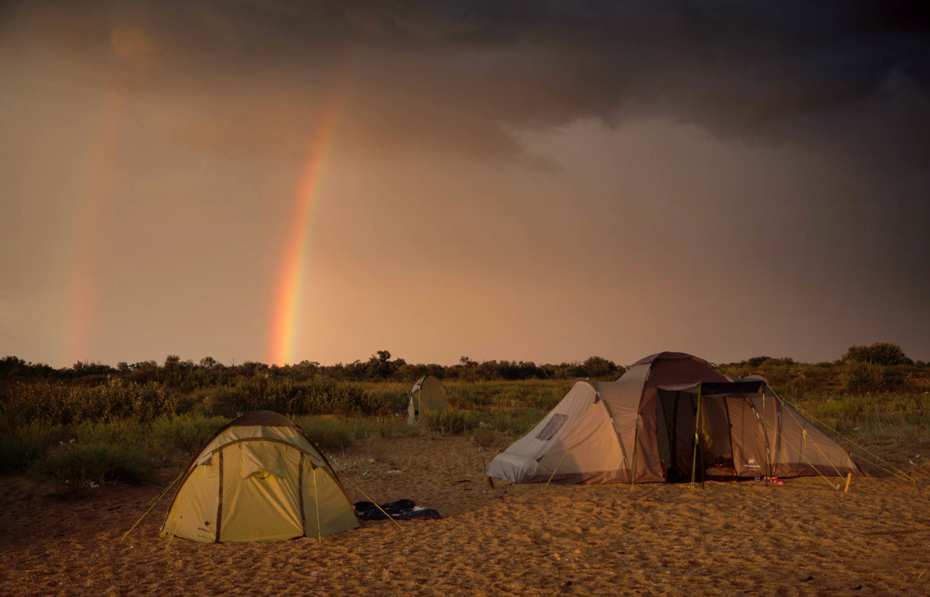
747 538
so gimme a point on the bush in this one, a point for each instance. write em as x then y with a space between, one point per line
73 467
449 421
57 403
318 396
327 435
513 422
186 433
864 378
395 398
393 427
21 448
879 353
482 436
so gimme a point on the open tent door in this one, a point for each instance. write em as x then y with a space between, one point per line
701 411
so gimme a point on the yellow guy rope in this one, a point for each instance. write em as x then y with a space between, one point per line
808 436
800 454
546 486
374 502
893 470
154 502
184 511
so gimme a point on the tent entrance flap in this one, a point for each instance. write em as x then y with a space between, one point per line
680 417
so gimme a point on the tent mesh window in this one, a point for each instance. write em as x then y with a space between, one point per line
554 424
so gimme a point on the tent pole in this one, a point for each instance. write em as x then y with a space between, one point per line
697 421
300 493
771 471
316 498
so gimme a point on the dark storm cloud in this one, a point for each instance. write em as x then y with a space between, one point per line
458 75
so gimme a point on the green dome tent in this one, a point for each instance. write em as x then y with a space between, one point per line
427 395
642 428
259 479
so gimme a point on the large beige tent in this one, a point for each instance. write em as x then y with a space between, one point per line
259 479
428 395
642 429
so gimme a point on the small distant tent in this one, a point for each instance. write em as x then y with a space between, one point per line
259 479
642 428
428 395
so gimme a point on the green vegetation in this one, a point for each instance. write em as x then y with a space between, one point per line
95 424
73 467
880 353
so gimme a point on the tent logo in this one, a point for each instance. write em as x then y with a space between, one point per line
752 465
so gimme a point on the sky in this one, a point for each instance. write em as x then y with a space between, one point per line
543 181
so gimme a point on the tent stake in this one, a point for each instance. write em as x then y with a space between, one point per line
848 480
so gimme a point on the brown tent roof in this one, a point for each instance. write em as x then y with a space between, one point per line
666 355
672 368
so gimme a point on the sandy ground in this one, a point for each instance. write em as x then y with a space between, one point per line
746 538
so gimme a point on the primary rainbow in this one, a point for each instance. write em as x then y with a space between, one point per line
290 280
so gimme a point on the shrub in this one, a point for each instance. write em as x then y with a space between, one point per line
482 436
317 396
449 421
864 378
21 448
393 427
395 399
57 403
756 361
513 422
879 353
73 467
186 433
327 435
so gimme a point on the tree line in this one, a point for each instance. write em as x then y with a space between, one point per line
188 375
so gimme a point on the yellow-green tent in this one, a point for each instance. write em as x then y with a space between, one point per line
259 479
428 394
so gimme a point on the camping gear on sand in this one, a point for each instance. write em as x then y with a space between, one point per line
670 417
399 510
259 479
427 395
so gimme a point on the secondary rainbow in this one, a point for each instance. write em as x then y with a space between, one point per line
83 292
289 287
